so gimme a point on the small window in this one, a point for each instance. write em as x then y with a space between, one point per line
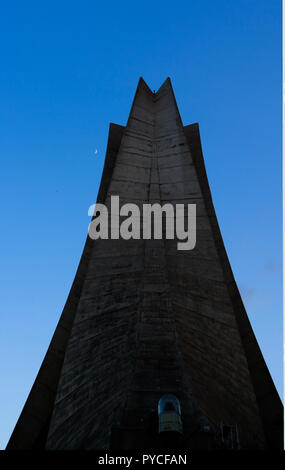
169 403
169 414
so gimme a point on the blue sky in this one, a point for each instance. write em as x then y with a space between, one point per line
70 68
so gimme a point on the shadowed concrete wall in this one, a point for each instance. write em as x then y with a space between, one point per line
122 354
149 319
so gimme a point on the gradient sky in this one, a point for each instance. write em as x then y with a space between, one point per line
68 68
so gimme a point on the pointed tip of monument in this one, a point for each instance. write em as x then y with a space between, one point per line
166 84
142 84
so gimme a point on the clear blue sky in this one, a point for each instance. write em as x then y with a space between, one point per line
68 68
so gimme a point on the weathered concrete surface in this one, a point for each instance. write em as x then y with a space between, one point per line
149 319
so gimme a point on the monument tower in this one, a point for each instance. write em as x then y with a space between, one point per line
145 322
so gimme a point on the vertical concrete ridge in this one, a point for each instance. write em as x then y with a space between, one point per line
32 426
142 89
98 366
269 403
